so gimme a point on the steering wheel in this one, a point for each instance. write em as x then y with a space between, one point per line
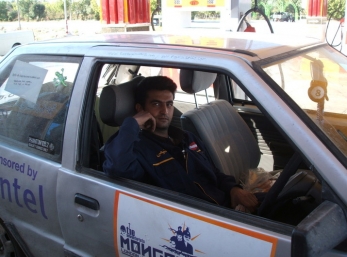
269 201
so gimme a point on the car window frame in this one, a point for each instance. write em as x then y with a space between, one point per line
166 195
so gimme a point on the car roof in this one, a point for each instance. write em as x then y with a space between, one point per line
242 43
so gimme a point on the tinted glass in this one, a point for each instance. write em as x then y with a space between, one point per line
34 98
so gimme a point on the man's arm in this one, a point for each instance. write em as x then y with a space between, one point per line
228 184
120 158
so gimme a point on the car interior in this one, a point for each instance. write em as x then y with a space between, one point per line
238 136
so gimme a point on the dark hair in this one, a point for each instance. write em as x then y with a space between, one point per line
160 83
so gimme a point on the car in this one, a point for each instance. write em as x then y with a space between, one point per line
283 16
157 20
11 39
267 107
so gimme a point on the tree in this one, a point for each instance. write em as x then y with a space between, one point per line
25 7
81 9
37 11
154 5
54 10
336 9
95 9
3 11
12 15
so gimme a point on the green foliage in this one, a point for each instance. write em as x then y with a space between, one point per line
3 11
54 10
25 8
12 15
8 11
37 11
95 9
153 5
336 9
271 6
82 9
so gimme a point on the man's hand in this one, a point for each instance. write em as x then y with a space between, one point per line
240 196
145 120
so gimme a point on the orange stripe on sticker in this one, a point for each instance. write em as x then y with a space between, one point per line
254 234
115 225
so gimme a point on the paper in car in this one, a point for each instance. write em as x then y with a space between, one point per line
26 80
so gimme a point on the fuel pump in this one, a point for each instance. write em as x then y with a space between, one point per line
318 90
254 9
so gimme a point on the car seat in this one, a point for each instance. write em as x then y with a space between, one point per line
230 143
117 102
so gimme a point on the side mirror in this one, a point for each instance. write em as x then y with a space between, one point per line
320 231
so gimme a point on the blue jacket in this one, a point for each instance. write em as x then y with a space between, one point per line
183 167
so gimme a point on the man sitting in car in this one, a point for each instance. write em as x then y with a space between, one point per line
149 150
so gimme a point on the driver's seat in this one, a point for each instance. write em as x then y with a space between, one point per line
229 141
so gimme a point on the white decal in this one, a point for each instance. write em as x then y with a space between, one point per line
26 80
145 228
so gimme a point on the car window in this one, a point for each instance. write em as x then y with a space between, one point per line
274 157
34 99
238 93
316 82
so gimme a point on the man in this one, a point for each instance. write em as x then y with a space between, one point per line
148 149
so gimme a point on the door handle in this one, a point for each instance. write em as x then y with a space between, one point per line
87 201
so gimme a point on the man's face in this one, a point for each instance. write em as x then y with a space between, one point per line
159 104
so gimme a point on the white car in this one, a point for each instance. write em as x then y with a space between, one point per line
11 39
265 105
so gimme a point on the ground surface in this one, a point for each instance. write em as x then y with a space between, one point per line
45 30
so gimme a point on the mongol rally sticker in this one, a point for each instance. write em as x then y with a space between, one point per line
150 229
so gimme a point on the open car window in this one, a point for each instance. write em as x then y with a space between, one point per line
276 151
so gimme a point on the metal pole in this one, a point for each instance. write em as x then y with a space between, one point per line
344 30
67 31
18 15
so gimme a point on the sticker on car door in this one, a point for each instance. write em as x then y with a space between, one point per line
143 227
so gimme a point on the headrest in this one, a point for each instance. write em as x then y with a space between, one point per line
195 81
117 102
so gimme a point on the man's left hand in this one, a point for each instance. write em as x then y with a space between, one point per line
240 196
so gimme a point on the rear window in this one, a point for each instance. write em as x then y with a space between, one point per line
34 98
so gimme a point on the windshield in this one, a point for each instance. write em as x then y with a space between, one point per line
317 82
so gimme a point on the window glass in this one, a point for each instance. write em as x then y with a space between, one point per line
238 93
316 82
34 99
